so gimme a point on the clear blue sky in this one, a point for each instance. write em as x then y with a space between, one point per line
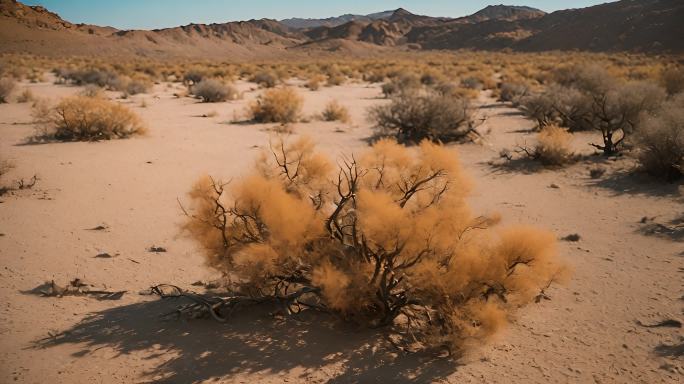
148 14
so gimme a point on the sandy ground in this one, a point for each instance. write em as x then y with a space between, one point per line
624 271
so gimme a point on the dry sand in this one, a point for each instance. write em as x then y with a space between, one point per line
624 271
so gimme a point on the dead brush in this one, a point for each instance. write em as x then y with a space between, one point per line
385 239
553 147
335 112
81 118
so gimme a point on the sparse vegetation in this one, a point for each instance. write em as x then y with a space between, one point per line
387 243
553 147
214 91
660 140
25 96
335 112
7 85
265 79
82 118
282 105
413 117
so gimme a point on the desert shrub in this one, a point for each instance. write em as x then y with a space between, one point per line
25 96
335 112
400 84
388 241
540 107
80 118
277 106
374 77
513 92
335 79
431 78
413 117
673 80
213 91
91 90
472 82
554 146
265 79
137 86
660 140
98 77
615 112
7 85
193 76
314 82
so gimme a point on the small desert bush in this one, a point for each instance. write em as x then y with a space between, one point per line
335 112
335 79
136 86
265 79
660 140
102 78
282 105
91 90
314 82
80 118
673 80
213 91
193 76
401 84
513 92
413 117
554 145
386 241
25 96
7 85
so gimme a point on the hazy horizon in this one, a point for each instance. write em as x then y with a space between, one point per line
135 14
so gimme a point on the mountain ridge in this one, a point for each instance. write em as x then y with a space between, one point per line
626 25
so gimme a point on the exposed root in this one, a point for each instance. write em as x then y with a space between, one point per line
219 307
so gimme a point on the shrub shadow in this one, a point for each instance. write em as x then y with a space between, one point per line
666 350
630 182
249 343
673 230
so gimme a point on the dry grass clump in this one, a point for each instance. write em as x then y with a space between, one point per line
7 85
386 241
265 79
673 80
314 82
660 141
80 118
335 112
193 76
554 146
282 105
25 96
513 92
413 117
401 84
214 91
91 90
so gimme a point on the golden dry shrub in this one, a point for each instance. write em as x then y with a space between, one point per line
334 111
282 105
387 240
554 145
81 118
7 85
314 82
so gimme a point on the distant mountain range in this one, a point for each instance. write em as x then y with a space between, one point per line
627 25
